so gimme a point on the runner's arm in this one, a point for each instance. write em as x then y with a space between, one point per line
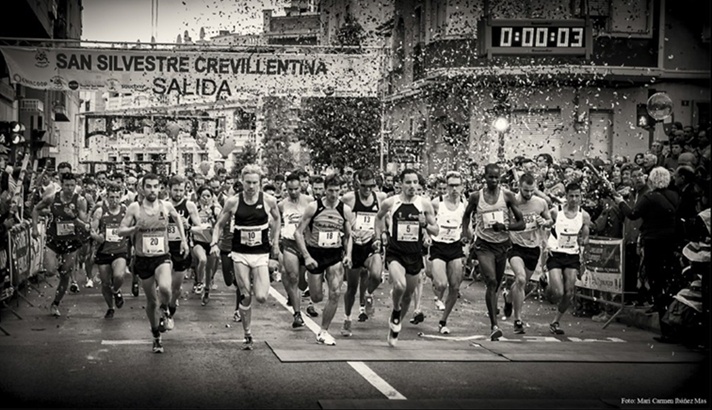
347 239
299 233
128 226
511 201
41 206
195 221
227 213
379 224
585 230
469 210
431 225
95 219
276 222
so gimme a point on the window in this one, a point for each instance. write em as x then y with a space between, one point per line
188 160
204 157
139 157
617 18
112 158
399 47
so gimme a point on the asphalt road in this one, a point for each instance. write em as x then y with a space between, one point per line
84 360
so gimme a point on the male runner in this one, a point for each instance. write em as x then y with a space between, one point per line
565 246
66 227
292 208
181 262
492 206
409 215
446 250
147 223
225 245
323 246
525 251
251 247
367 263
112 250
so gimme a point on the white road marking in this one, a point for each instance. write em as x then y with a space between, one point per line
376 381
360 367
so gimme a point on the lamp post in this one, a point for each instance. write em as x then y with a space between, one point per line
500 125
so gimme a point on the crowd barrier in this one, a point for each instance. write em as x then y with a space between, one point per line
603 271
24 257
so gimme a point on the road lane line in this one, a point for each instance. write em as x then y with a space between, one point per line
360 367
376 381
126 342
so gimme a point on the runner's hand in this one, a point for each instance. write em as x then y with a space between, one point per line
347 262
376 246
427 241
310 263
215 250
184 248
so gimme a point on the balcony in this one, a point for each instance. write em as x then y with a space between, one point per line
32 105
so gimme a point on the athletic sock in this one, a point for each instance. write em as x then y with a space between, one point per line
347 317
172 310
155 332
443 323
395 315
362 309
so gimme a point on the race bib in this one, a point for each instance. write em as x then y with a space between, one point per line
329 239
173 235
365 221
65 228
568 241
491 218
449 233
154 244
408 231
529 222
251 237
112 234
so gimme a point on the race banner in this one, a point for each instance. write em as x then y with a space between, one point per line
603 265
204 73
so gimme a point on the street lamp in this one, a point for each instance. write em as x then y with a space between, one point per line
500 125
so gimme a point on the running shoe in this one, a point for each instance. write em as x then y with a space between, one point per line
74 287
496 333
205 299
311 311
109 314
362 316
298 321
162 322
118 300
369 306
236 316
439 305
418 318
89 284
199 288
556 329
134 289
346 330
443 329
157 345
169 323
519 327
54 310
508 307
248 344
394 328
305 294
325 338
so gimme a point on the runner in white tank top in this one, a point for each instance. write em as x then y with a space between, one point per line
446 251
147 222
492 205
565 246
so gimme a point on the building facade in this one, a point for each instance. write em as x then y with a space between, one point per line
568 78
50 117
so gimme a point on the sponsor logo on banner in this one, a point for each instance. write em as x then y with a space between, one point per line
41 59
204 73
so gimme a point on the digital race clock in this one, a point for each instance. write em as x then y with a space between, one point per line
527 37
